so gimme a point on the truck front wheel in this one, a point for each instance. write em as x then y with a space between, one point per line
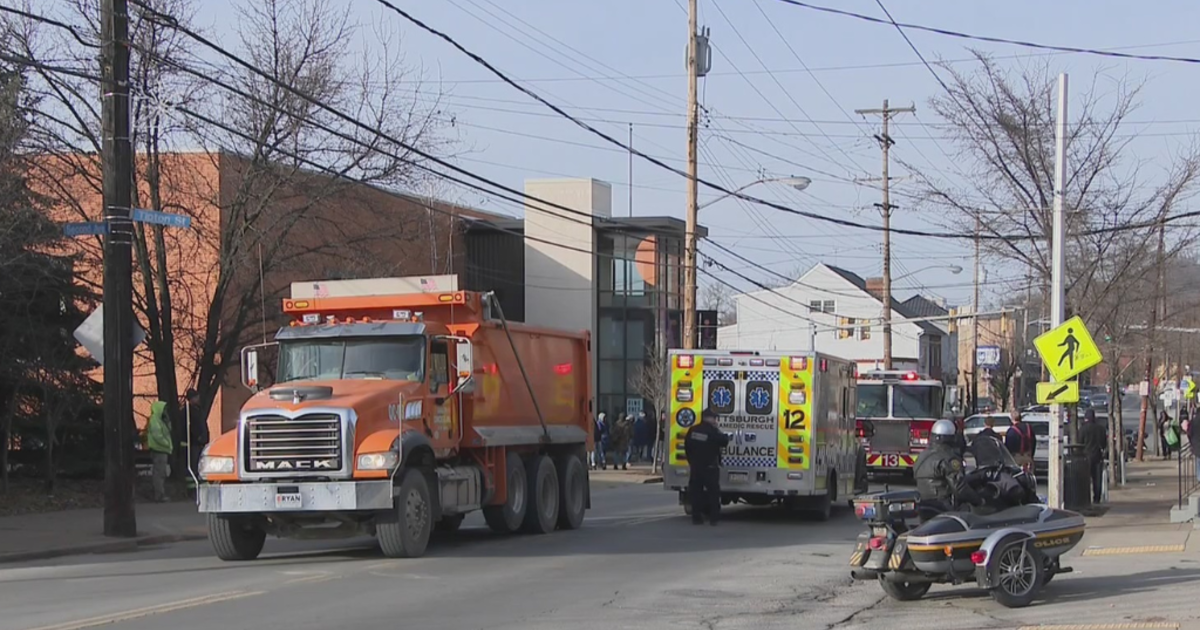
507 518
404 531
235 538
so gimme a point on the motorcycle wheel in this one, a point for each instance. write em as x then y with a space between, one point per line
1020 575
905 591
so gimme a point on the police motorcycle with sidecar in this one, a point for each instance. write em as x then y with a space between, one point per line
1010 546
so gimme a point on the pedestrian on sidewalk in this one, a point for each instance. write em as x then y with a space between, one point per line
639 437
161 445
1167 438
651 433
600 433
1019 441
1094 438
622 436
989 428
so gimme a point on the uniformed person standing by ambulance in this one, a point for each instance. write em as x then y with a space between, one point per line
702 446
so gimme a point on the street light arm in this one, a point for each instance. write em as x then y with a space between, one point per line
800 183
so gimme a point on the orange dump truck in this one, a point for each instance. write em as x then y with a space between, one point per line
395 415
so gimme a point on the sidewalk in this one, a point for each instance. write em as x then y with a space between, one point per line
1138 514
72 532
641 472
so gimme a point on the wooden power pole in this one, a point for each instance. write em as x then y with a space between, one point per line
117 172
689 245
885 141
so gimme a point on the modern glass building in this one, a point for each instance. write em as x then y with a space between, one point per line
620 278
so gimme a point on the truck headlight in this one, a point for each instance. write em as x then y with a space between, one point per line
378 461
212 465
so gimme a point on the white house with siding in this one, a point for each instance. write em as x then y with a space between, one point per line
843 313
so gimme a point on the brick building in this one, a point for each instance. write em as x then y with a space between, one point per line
255 230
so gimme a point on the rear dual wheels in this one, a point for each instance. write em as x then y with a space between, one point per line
542 495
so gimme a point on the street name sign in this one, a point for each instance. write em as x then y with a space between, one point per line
155 217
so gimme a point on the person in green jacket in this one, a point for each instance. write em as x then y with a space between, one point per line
158 439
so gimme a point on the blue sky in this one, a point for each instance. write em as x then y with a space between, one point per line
622 61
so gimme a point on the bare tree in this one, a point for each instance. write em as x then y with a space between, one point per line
719 297
652 381
1002 125
284 161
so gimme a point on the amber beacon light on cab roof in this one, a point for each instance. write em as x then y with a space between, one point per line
396 410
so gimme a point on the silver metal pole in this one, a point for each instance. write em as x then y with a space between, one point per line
1057 285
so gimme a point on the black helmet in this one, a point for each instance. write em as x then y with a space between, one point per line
943 432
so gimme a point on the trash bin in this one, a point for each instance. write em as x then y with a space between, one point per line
1077 478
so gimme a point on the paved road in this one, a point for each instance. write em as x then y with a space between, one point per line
638 563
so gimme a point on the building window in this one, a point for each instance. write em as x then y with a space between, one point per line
864 332
821 306
814 306
612 377
845 327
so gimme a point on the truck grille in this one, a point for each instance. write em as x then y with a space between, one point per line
891 436
309 444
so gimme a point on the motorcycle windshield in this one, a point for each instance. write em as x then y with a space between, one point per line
989 451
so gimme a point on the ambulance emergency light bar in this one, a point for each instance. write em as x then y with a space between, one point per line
687 362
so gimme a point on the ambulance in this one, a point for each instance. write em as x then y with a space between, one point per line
790 419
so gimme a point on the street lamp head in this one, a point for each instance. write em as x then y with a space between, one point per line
955 269
799 183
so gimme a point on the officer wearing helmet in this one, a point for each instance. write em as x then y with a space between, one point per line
940 474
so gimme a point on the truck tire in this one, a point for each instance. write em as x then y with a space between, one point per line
507 518
235 538
542 514
404 531
572 492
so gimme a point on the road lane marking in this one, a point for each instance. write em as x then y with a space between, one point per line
159 609
1120 551
1132 625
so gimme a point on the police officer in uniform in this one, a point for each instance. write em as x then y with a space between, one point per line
702 445
940 474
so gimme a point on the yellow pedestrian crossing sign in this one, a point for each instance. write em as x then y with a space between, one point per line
1068 350
1058 393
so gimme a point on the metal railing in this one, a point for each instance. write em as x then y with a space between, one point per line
1189 476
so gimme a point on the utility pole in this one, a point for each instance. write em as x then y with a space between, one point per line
886 142
630 169
975 326
1058 285
689 245
1150 335
117 171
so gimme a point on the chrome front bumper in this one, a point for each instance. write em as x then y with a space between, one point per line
334 496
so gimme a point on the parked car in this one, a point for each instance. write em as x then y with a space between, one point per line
974 424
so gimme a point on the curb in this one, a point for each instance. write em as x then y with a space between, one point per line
116 546
657 479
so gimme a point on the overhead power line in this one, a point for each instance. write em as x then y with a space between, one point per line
990 39
742 195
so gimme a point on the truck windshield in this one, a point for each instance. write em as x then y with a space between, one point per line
872 401
916 401
394 358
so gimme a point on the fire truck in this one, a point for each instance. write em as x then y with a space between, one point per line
896 410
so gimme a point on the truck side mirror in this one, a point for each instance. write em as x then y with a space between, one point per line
250 372
464 367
